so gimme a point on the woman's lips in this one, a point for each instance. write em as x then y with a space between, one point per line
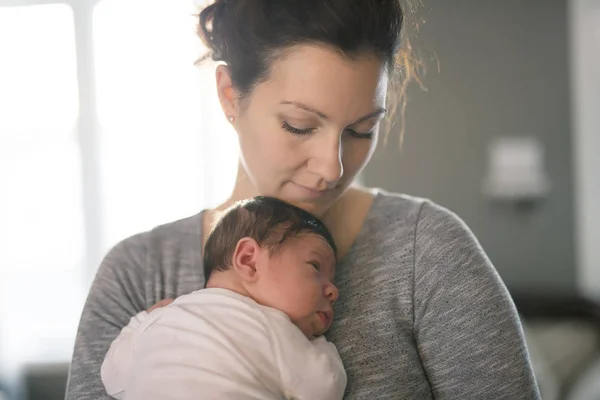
311 192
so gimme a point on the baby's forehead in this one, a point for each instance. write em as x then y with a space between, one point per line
316 243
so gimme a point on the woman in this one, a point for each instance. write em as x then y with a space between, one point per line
422 313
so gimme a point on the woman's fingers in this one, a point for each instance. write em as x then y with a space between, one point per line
162 303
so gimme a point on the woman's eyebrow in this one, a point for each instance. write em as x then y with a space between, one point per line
306 108
376 113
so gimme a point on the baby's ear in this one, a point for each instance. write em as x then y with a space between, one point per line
245 259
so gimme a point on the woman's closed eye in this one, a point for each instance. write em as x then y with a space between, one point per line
358 135
297 131
308 131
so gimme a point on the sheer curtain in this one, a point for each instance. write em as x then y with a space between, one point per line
106 129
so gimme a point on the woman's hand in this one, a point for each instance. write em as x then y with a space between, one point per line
160 304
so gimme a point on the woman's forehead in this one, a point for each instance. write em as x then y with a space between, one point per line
326 80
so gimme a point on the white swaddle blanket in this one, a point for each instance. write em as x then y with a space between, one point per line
217 344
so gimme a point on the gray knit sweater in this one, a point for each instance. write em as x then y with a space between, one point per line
422 312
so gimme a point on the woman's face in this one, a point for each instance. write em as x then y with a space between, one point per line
310 128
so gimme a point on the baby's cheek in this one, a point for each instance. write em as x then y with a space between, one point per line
300 301
306 326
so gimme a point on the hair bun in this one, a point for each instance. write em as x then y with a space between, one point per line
212 19
249 35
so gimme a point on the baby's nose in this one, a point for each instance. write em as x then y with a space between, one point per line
331 292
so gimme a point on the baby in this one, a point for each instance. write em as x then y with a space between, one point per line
255 331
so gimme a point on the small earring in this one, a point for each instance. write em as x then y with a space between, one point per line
231 118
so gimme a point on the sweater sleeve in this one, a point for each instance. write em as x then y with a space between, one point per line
117 294
466 327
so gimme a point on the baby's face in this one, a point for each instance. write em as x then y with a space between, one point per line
298 281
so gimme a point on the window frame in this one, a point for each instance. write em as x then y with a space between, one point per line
86 129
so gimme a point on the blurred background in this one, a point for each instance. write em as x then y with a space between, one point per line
107 128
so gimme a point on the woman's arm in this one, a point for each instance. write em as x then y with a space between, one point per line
466 326
117 294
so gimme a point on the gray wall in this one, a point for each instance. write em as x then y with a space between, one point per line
584 20
503 72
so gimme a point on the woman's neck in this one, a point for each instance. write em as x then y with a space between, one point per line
347 216
354 202
243 189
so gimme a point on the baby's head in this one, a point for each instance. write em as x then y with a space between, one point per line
277 254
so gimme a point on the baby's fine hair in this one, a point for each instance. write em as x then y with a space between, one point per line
267 220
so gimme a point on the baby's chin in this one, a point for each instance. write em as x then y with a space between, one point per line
310 330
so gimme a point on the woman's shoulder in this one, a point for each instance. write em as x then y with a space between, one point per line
189 226
423 218
395 205
439 240
165 235
399 208
160 247
439 237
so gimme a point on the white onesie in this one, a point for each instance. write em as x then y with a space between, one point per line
217 344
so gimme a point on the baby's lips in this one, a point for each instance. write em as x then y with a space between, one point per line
326 317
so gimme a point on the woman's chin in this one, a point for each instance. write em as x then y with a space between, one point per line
314 204
316 208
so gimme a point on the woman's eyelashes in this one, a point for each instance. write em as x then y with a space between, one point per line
367 135
307 131
297 131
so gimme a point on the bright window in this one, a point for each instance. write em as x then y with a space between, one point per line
41 226
159 116
162 151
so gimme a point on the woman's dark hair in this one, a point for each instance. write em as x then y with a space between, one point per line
248 35
267 220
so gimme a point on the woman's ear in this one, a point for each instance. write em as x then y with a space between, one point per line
228 96
246 257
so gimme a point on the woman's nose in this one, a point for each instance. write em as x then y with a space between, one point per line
327 162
